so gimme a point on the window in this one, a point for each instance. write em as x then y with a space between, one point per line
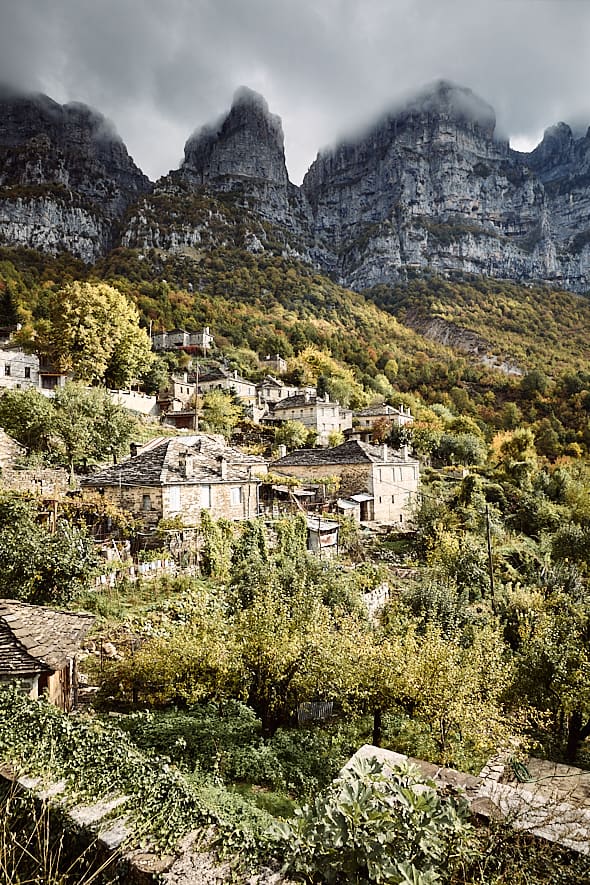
236 496
393 499
206 497
401 517
174 498
146 503
27 371
7 368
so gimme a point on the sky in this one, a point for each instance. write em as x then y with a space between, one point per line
160 69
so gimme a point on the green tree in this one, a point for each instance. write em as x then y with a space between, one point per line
28 417
220 413
292 434
335 438
92 331
87 425
39 565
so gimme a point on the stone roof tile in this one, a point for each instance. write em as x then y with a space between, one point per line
32 635
351 452
161 465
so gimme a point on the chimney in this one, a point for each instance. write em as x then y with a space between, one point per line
235 373
282 450
401 408
185 464
306 396
385 451
404 453
327 397
133 450
222 466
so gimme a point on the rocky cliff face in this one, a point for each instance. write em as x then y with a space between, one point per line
66 178
244 153
430 186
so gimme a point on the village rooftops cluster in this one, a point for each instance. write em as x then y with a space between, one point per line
190 459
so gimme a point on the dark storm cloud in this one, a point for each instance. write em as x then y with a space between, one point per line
162 68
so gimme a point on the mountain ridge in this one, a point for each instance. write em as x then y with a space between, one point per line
430 187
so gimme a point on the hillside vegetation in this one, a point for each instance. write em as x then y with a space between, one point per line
533 327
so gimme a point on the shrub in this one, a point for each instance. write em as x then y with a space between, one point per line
374 827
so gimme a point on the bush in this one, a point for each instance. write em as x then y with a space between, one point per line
374 827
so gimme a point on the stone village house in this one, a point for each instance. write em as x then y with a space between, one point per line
230 382
383 482
364 420
318 413
181 477
38 649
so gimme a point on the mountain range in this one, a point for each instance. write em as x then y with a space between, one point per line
430 187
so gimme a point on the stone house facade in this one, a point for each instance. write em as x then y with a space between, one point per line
180 478
319 413
271 390
383 482
18 369
175 339
222 379
275 363
364 419
38 649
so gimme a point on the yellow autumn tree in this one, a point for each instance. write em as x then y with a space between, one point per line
93 331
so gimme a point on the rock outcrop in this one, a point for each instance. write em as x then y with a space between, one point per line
66 178
244 153
430 187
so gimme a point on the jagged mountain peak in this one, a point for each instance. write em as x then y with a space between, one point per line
27 115
245 143
445 98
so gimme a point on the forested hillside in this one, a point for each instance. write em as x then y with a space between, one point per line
527 327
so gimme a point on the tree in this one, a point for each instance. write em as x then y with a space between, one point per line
515 455
335 438
77 424
460 448
292 434
553 659
92 331
221 414
88 425
39 565
27 416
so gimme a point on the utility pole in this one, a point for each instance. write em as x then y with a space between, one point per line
490 559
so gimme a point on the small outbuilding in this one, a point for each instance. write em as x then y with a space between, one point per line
39 648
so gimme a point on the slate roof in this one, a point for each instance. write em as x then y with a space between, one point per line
222 374
297 401
34 638
351 452
270 381
160 465
376 411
